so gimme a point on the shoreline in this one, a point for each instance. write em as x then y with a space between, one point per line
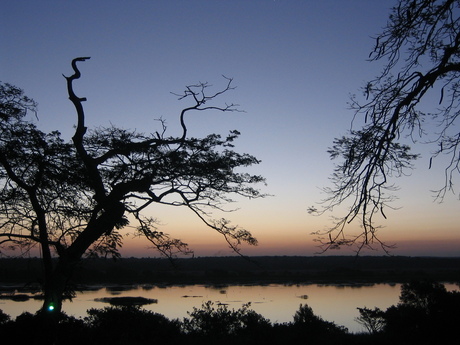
239 271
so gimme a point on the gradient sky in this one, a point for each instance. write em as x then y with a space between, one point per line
294 63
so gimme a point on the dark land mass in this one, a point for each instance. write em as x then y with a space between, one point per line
238 270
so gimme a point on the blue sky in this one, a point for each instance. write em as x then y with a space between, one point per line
294 63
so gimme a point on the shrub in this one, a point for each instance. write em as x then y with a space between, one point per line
426 314
306 321
35 329
131 325
4 318
220 321
372 319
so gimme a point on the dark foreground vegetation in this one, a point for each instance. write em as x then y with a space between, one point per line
426 314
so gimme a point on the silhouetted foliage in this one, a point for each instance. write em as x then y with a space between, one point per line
372 319
426 314
131 325
211 325
30 329
420 46
307 324
212 321
71 199
3 317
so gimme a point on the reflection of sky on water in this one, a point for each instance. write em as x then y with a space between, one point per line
275 302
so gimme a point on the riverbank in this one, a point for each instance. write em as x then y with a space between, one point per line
250 270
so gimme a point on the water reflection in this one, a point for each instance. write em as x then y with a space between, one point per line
278 303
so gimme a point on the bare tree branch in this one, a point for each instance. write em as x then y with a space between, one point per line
421 42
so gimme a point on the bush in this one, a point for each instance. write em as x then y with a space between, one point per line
220 321
309 323
4 318
372 319
35 329
131 325
426 314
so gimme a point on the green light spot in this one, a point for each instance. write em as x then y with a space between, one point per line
51 307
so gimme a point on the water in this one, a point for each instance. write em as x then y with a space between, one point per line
276 302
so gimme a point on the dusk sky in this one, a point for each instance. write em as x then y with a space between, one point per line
295 64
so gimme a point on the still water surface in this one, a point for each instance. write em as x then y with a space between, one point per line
276 302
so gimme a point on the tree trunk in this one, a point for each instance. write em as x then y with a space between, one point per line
57 277
56 286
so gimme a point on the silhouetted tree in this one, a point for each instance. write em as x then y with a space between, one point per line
71 198
426 314
372 319
420 47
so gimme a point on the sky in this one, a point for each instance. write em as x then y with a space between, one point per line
295 65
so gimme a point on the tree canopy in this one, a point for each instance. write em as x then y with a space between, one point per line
420 50
70 199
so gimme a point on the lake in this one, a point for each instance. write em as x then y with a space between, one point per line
276 302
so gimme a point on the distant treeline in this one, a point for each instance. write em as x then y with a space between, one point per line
225 270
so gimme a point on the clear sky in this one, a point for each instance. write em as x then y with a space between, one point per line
294 63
